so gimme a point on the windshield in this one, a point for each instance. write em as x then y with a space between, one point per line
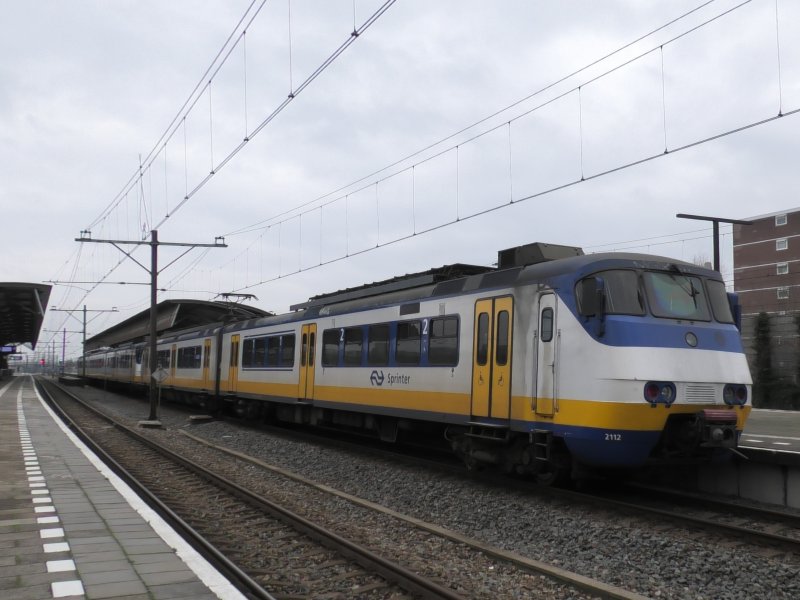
676 296
621 292
719 301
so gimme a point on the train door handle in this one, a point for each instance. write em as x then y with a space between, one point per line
500 381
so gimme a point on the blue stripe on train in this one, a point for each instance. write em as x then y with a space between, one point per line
624 330
603 447
647 330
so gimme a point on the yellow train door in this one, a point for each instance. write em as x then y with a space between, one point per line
233 365
491 357
173 361
308 344
207 363
501 363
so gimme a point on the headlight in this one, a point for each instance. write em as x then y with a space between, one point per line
659 392
735 394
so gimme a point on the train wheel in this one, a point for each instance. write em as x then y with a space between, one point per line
553 476
252 411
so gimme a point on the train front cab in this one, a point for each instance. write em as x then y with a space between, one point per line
596 387
665 359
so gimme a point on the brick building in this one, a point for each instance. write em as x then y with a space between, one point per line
766 275
766 263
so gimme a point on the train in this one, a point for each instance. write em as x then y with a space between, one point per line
553 363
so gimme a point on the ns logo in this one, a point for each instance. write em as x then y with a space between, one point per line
377 378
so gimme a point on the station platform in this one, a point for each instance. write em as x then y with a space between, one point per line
70 528
773 430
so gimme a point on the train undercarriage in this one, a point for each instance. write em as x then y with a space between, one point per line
687 438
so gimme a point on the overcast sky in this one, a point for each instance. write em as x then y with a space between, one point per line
87 88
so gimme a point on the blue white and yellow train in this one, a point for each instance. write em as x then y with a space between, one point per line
553 362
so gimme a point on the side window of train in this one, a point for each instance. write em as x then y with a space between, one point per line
273 350
502 338
378 346
162 359
353 346
287 350
443 342
547 325
330 347
483 339
189 357
408 343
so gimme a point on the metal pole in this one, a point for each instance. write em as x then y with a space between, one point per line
63 351
219 242
84 343
153 323
716 221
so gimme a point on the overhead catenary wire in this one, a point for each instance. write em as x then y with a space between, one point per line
180 117
416 231
179 114
489 117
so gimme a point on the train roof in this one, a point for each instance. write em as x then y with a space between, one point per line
582 266
525 264
531 264
173 316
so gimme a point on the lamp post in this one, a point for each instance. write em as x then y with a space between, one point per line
716 221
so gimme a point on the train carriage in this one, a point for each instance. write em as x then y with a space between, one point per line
553 361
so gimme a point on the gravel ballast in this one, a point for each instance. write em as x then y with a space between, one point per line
659 561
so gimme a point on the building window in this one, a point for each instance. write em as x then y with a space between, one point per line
780 220
783 293
782 268
781 244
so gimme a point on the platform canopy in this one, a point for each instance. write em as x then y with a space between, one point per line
22 307
173 315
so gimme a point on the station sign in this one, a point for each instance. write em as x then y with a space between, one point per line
160 375
8 349
14 357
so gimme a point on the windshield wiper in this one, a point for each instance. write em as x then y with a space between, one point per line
692 292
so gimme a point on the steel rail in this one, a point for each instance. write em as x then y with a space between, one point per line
761 537
367 559
586 584
241 580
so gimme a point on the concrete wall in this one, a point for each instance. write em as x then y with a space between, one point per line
767 482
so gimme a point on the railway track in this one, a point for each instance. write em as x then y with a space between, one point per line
771 529
378 574
590 508
765 527
756 525
267 550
